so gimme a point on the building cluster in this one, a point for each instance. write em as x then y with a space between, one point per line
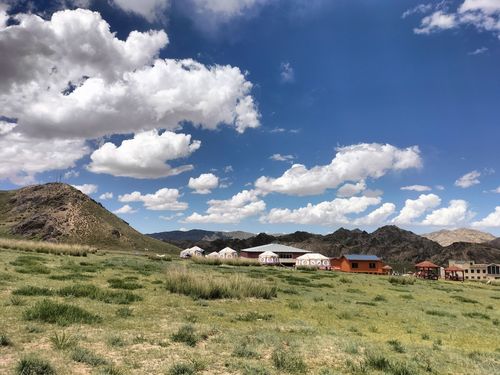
282 255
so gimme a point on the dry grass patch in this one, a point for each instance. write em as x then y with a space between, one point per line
46 247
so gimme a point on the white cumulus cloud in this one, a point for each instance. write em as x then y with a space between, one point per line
468 180
351 163
144 156
378 216
240 206
126 209
455 214
348 190
325 213
86 188
414 208
106 196
280 157
490 221
163 200
204 184
151 10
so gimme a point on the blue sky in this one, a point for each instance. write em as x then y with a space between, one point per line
369 97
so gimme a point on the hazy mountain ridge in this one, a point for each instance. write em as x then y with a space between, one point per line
447 237
200 235
58 212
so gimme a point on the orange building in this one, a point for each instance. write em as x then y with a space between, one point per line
359 263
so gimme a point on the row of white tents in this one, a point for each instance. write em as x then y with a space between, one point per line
227 252
267 257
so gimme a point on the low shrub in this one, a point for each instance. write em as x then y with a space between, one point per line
464 299
16 301
60 313
366 303
294 305
116 283
182 369
378 362
380 298
5 340
476 314
242 350
288 361
201 285
440 313
32 365
187 335
396 346
62 341
93 292
110 370
401 280
33 291
116 341
253 316
124 312
88 357
345 280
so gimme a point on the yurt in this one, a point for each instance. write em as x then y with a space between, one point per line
313 260
192 252
213 254
227 252
268 257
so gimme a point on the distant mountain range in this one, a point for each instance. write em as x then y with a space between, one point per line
200 235
389 242
447 237
58 212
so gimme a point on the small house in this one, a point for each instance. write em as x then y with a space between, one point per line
192 252
287 254
358 263
269 258
213 254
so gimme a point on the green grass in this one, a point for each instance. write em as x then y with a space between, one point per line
199 285
117 283
5 340
32 365
317 323
63 314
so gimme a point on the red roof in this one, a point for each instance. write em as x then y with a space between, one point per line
426 264
453 269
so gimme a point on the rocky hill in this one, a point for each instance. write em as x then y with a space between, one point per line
60 213
391 243
447 237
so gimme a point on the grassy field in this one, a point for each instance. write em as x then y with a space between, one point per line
119 314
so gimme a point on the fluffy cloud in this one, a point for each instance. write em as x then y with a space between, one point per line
163 200
348 190
242 205
378 216
468 180
414 208
86 188
490 221
482 14
279 157
21 157
151 10
419 188
144 156
456 213
325 213
70 79
351 163
126 209
204 184
497 190
106 196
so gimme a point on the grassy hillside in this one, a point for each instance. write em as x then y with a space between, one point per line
60 213
131 315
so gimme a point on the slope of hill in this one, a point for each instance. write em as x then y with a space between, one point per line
200 235
495 243
60 213
389 242
446 237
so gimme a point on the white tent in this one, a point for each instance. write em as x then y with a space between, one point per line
227 252
268 257
315 260
192 252
214 254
